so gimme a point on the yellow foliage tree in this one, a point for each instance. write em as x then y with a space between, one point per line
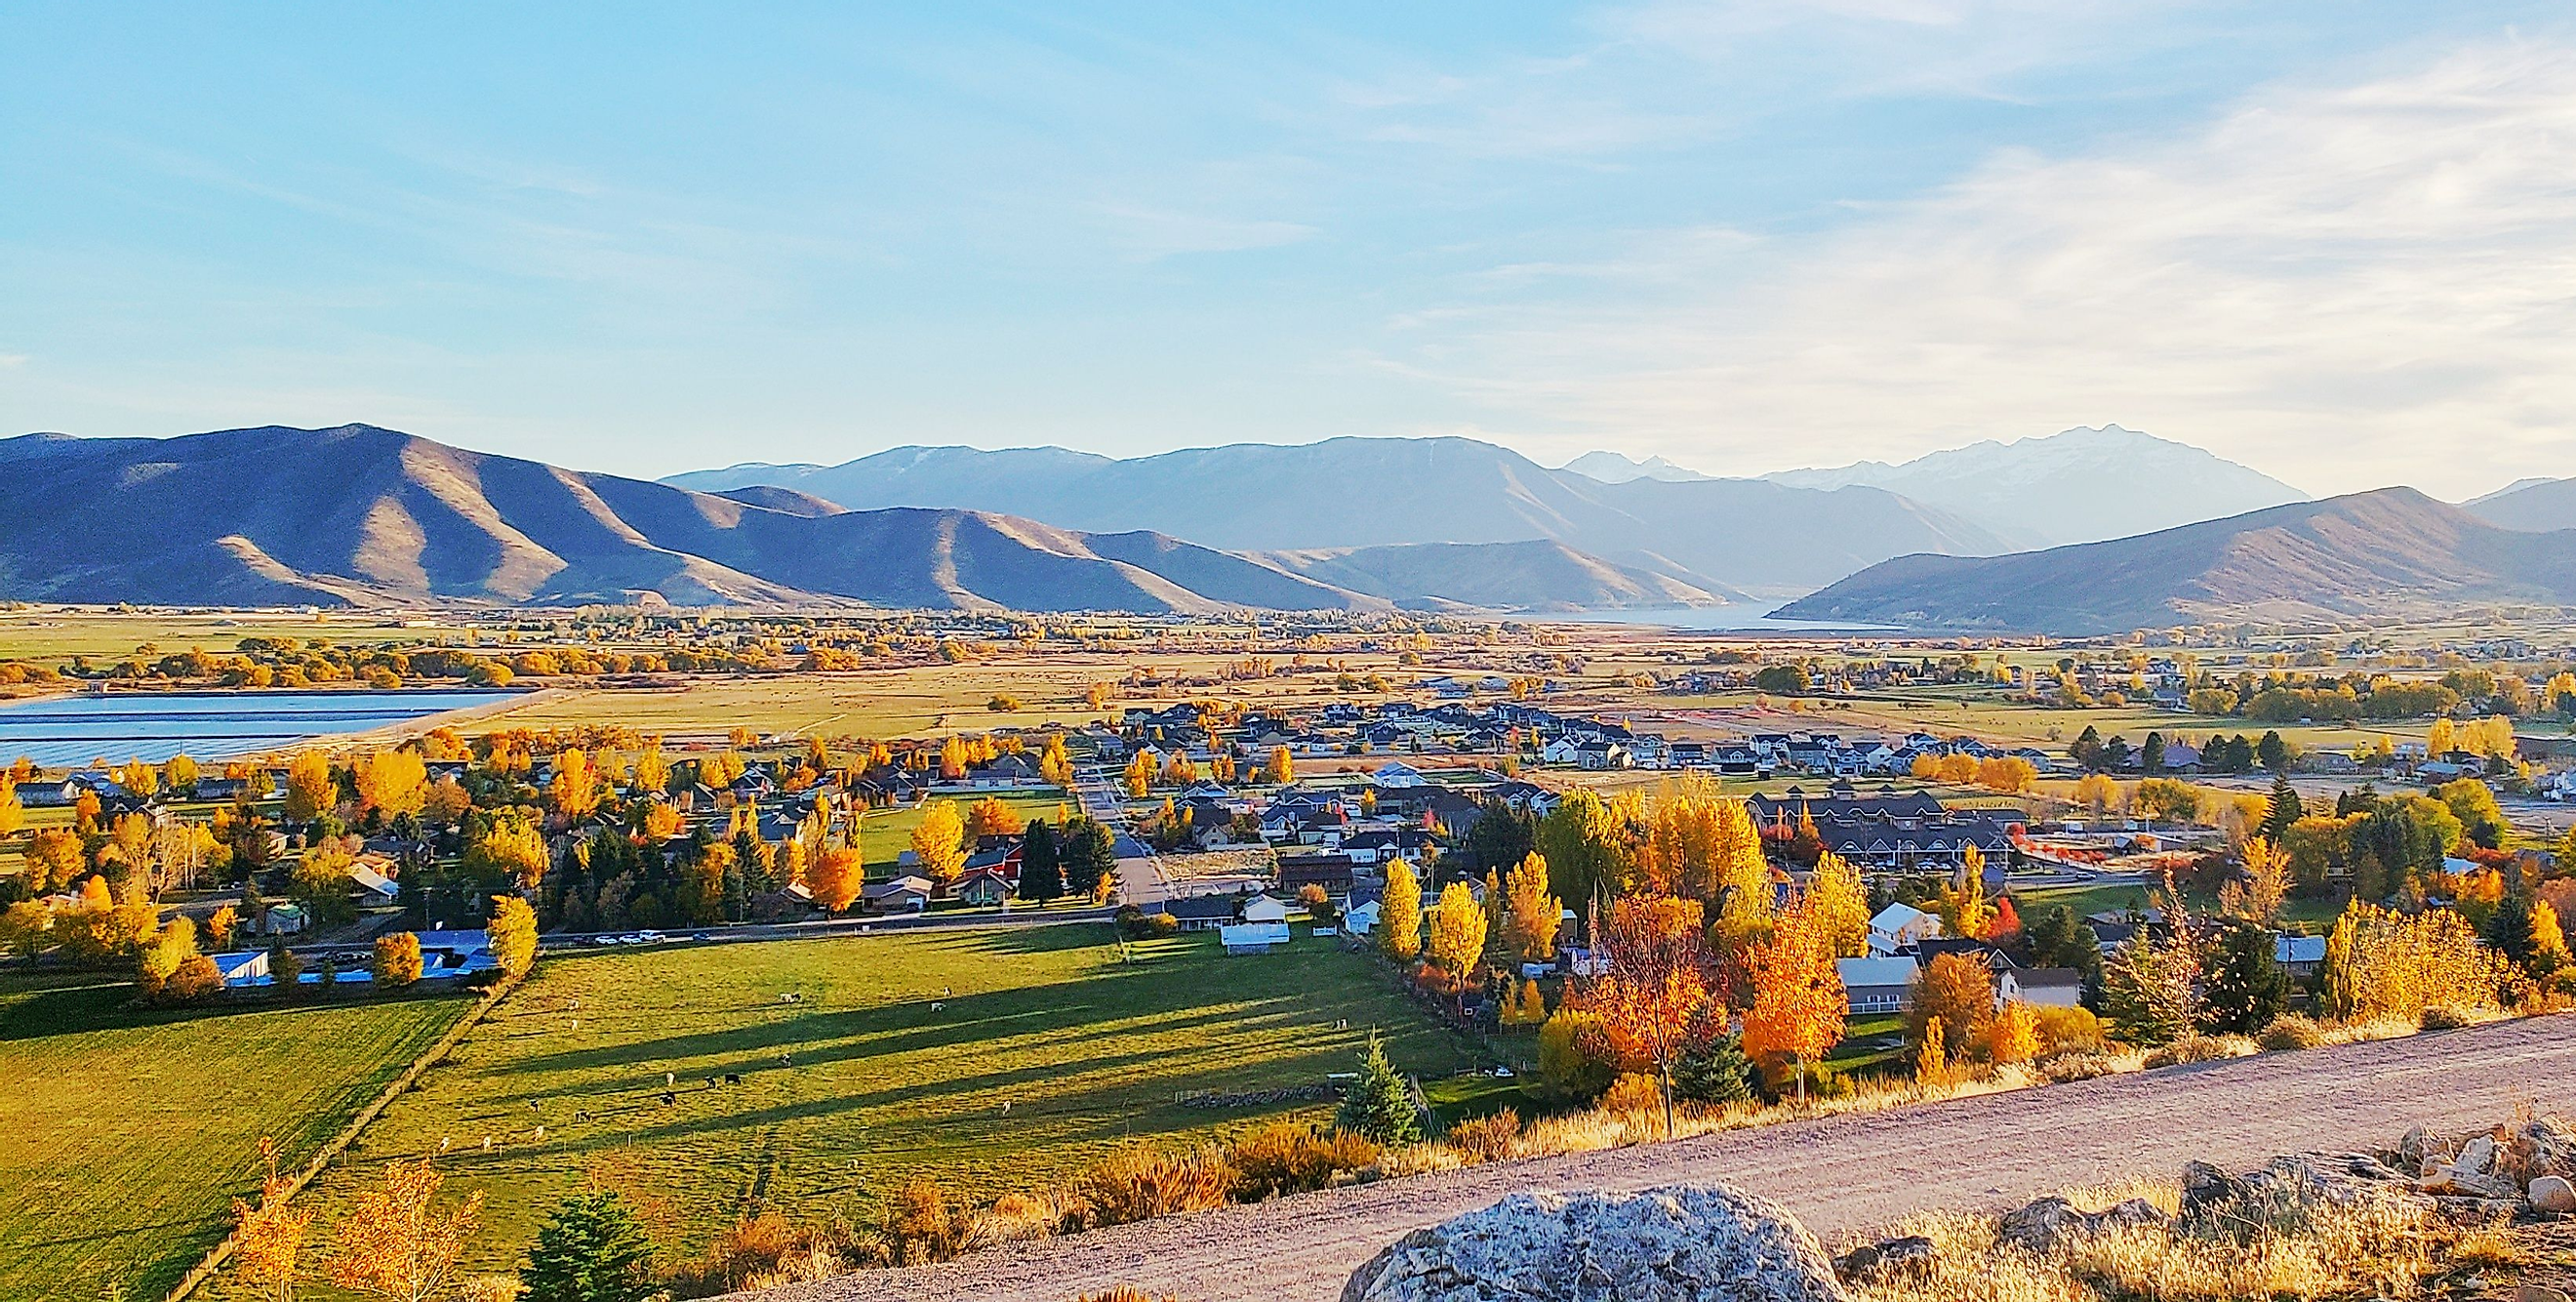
990 817
1399 922
392 781
512 933
834 877
1840 904
2014 1034
939 841
268 1239
395 1243
1282 768
574 792
398 961
2259 897
2383 963
2096 792
309 790
1530 914
1457 939
1799 1004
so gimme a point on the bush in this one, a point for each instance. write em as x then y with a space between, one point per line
2069 1030
2291 1031
1633 1092
1486 1138
1717 1072
1143 1183
1566 1068
2200 1048
2446 1017
2063 1068
1284 1158
922 1227
1123 1293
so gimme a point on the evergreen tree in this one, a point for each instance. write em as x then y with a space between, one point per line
2151 754
2087 749
1716 1072
2273 751
2285 809
2245 987
1085 855
1500 837
1041 877
1380 1103
591 1249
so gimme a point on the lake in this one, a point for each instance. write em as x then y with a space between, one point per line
1739 618
73 730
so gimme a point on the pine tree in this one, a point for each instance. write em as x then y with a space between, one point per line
1380 1103
2245 986
1041 879
591 1249
2285 808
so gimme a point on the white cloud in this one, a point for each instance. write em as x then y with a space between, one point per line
2345 286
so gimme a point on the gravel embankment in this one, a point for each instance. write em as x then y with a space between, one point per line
1839 1174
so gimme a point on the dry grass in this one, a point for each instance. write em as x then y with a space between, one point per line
2289 1243
2200 1048
1143 1183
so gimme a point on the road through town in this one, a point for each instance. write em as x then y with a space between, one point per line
1840 1174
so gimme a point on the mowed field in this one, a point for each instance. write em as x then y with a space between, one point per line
1046 1052
886 833
130 1132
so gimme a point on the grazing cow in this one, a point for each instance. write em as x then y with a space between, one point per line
733 1078
668 1098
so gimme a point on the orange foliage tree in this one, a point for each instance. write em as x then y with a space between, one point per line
395 1244
1798 999
1654 994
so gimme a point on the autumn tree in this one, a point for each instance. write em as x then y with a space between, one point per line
509 849
395 1243
2264 888
573 793
268 1239
310 792
13 812
512 934
2097 792
1654 994
1962 903
1139 776
392 782
2013 1036
397 960
1457 939
1840 905
990 817
1952 999
1798 999
1530 914
1399 921
163 955
2384 963
938 841
1281 768
835 877
54 859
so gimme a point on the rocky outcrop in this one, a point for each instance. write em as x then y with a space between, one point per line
1684 1243
2049 1224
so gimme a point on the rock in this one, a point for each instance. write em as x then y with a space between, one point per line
2538 1147
2205 1186
2452 1182
1909 1257
2044 1226
2414 1149
2535 1293
2476 1211
2553 1193
2475 1156
1682 1243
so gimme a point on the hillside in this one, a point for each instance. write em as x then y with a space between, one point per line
1498 574
2384 553
2082 485
365 516
1373 492
2532 505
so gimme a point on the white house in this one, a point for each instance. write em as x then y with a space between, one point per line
2043 987
1398 774
1875 985
1360 919
1265 910
245 968
906 894
1900 925
374 888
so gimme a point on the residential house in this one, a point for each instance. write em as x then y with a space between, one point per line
1204 912
1900 926
1876 985
2043 987
980 886
905 894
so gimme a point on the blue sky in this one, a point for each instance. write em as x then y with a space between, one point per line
2329 240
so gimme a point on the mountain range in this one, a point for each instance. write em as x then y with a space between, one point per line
2080 485
2528 504
1712 534
2388 553
359 515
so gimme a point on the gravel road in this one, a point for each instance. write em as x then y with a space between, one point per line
1841 1174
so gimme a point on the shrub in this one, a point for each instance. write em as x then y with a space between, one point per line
1567 1069
921 1226
2065 1067
2291 1031
1633 1092
1143 1183
2069 1030
1487 1138
1284 1158
760 1251
1717 1072
1123 1293
2199 1048
2446 1017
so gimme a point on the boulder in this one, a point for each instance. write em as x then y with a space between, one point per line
1909 1257
2553 1193
2538 1147
1682 1243
2205 1187
2475 1156
2044 1226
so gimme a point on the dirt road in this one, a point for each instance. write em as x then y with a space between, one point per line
1840 1174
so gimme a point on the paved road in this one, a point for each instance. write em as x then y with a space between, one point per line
1841 1174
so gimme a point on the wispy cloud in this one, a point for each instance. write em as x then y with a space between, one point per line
2346 285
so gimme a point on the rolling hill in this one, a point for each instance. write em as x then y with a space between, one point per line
2081 485
2532 505
2386 553
359 515
1374 492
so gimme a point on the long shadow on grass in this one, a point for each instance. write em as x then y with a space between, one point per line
109 1006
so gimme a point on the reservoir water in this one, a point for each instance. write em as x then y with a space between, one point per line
72 730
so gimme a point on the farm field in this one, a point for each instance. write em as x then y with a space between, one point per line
43 634
1046 1053
130 1132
